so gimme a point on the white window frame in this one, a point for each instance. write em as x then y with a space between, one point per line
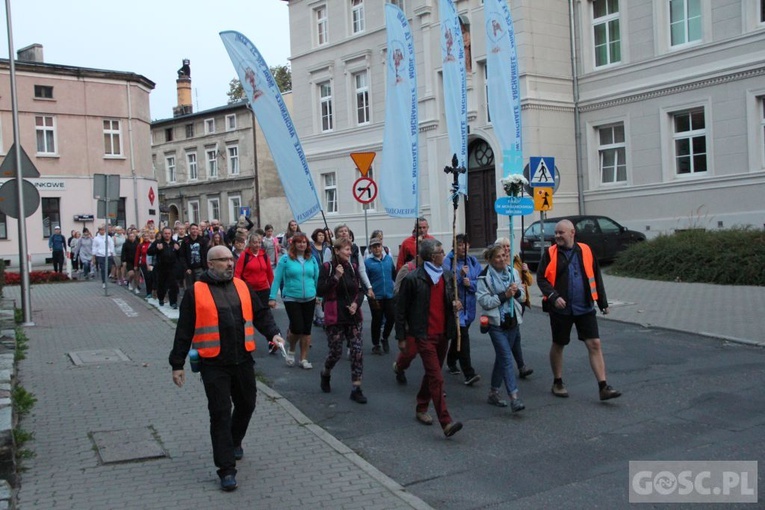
400 4
358 21
329 184
170 171
231 122
614 147
321 21
192 165
690 135
48 133
606 21
112 137
686 22
212 163
213 209
234 203
209 126
193 211
232 160
326 107
755 121
361 104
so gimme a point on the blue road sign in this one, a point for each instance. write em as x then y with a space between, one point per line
514 206
244 211
542 172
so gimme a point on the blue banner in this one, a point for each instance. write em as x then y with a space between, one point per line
455 85
502 82
400 170
274 119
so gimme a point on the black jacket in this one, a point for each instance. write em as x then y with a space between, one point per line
230 321
343 292
413 305
188 247
561 280
167 257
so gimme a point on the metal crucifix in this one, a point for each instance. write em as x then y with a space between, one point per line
455 171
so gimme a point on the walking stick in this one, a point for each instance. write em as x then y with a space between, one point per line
455 171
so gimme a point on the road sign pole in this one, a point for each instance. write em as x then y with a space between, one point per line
366 227
26 302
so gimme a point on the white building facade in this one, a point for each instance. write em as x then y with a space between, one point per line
652 109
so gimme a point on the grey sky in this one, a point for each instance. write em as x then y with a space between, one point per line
151 38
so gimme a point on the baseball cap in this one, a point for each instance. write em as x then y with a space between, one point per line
374 241
56 228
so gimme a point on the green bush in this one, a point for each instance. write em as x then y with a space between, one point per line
725 257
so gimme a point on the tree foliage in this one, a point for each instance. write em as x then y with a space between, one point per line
282 75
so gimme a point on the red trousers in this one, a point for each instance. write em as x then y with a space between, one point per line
432 350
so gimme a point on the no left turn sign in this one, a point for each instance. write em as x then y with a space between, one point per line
364 190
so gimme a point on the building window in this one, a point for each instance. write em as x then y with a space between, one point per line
330 192
397 3
121 213
46 135
486 89
234 206
170 166
191 161
684 21
169 134
209 126
371 205
230 122
690 137
189 130
212 163
607 37
213 209
112 146
357 16
193 211
362 97
325 100
233 160
762 122
612 154
322 34
51 215
3 226
43 92
762 11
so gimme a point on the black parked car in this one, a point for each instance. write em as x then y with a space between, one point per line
604 236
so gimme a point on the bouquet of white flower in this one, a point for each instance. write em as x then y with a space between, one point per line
513 184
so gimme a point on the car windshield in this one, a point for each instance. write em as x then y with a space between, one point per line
533 230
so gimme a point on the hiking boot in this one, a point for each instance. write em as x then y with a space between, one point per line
469 381
608 393
454 370
559 390
517 405
400 375
452 428
495 400
325 382
357 396
228 483
377 350
524 372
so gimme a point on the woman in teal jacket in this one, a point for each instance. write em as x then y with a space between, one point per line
298 272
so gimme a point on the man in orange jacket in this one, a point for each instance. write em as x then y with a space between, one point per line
218 318
571 285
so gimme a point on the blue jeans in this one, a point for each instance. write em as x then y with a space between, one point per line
102 262
503 341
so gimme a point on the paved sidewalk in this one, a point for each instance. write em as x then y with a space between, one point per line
289 461
721 311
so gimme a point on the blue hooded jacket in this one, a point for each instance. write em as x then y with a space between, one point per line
465 294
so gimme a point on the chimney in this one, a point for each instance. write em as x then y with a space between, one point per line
183 85
32 53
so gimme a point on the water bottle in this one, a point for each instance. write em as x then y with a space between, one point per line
484 321
194 360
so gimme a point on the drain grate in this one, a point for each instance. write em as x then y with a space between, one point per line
127 445
97 356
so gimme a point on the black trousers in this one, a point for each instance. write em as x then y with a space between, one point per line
224 385
58 261
463 355
166 284
386 309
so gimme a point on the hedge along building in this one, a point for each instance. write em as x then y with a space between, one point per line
75 122
652 109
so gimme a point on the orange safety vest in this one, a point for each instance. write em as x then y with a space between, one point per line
206 338
589 268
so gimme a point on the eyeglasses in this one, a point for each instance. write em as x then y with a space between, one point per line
440 252
224 259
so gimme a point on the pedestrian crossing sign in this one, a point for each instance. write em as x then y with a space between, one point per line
542 172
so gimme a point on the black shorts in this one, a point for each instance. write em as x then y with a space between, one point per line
586 327
301 316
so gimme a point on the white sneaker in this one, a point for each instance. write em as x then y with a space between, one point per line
305 364
290 358
103 285
137 290
130 286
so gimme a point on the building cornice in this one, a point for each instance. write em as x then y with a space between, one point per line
78 72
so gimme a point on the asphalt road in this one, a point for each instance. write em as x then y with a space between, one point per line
684 398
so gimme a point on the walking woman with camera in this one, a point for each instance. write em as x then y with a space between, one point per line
500 294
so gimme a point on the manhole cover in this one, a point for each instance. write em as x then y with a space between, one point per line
98 356
127 445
